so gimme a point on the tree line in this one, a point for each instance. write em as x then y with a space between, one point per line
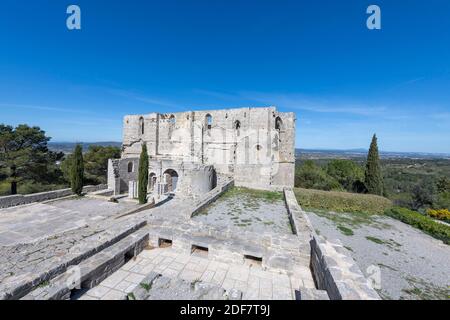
343 174
27 165
418 191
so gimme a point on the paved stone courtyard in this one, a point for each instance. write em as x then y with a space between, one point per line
29 223
249 278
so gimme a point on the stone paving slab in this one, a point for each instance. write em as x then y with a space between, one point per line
33 222
24 266
252 281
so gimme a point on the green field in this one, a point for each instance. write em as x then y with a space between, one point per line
341 201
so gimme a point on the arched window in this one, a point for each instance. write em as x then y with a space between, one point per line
278 123
172 119
237 125
208 120
141 125
130 167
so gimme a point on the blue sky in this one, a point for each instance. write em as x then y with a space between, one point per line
314 58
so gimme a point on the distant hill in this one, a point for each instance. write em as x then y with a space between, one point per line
67 147
359 153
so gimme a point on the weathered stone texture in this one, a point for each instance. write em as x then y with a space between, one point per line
19 199
255 146
336 272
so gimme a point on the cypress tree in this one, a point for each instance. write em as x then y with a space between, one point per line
373 175
77 171
143 175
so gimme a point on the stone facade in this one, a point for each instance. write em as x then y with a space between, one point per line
254 146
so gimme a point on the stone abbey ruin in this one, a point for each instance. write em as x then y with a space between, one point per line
222 221
254 146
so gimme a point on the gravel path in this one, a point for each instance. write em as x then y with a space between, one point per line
413 265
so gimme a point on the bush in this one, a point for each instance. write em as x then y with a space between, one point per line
440 214
435 229
348 173
311 176
443 200
342 201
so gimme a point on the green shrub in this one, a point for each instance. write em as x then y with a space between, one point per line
5 188
77 171
347 172
311 176
143 175
435 229
29 187
341 201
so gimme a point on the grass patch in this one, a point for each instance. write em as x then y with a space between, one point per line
376 240
352 219
387 267
342 201
435 229
267 196
346 231
240 199
390 243
43 284
422 290
146 286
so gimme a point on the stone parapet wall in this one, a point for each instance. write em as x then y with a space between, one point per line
333 268
336 272
211 196
300 223
20 199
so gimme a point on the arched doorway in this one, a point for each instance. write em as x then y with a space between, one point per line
151 182
171 179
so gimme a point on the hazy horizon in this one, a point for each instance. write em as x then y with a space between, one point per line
297 148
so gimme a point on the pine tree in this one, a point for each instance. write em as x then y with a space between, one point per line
77 171
143 175
373 175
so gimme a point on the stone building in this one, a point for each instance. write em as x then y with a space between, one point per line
188 151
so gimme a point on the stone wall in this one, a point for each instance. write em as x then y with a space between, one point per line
211 196
193 179
336 272
254 145
19 199
333 268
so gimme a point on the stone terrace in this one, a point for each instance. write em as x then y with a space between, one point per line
261 262
33 222
249 278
